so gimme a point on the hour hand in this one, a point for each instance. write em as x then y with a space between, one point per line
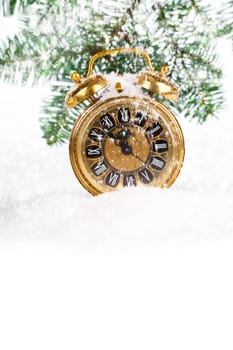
124 134
121 135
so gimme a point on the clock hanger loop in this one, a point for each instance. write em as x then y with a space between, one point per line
119 50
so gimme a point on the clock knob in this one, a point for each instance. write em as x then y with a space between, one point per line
75 76
164 69
85 89
118 86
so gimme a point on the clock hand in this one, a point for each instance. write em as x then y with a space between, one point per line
122 142
123 134
127 150
136 156
125 147
120 139
109 133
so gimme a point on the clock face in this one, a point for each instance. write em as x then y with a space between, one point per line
124 142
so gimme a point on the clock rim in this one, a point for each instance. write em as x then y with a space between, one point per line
101 104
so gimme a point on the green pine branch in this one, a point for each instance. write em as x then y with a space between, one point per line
225 24
60 36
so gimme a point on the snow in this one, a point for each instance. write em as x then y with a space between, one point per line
128 84
37 185
138 268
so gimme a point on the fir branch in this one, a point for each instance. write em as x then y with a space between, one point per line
57 128
225 22
60 36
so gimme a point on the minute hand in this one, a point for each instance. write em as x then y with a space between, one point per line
136 156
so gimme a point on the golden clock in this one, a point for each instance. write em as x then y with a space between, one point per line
125 137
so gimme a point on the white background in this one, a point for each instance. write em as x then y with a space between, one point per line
139 268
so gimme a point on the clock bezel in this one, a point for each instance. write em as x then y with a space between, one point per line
94 110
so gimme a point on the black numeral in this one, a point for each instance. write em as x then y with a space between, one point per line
157 163
145 176
140 119
160 146
96 134
154 130
93 152
124 115
99 168
107 121
129 181
112 179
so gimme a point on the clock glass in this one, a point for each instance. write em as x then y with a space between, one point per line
126 141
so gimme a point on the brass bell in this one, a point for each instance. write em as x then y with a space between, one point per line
85 89
158 84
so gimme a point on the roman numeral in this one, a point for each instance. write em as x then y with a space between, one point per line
93 152
96 134
112 179
124 115
107 121
154 130
140 119
145 176
157 163
99 168
160 146
129 181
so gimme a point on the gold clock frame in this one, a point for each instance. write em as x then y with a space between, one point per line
150 80
82 125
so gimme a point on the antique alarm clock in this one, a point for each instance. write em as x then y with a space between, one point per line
125 137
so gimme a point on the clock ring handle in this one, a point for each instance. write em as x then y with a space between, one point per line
119 50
